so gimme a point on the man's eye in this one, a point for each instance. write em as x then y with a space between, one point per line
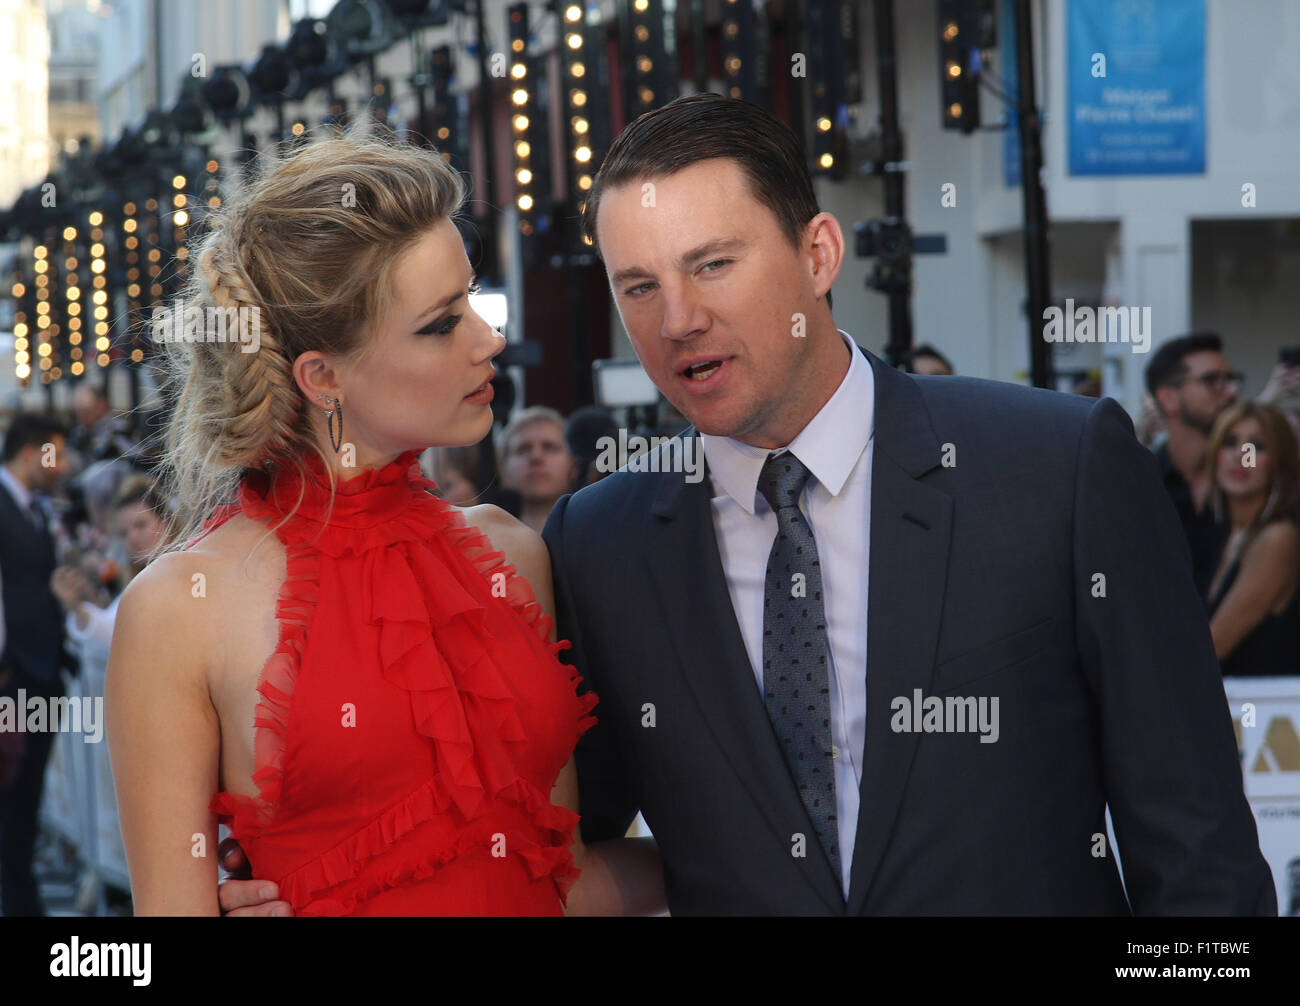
638 289
716 262
475 288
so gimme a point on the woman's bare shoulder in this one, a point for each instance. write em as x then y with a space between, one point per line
520 543
192 599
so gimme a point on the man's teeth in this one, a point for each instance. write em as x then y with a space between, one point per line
701 371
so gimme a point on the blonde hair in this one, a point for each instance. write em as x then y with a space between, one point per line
527 417
309 241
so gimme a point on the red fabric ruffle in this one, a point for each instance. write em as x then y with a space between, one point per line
436 642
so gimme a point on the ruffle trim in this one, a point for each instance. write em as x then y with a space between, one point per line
451 683
294 609
319 887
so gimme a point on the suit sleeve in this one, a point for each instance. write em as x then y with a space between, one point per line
1187 838
607 800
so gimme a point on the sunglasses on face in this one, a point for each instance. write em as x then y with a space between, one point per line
1216 382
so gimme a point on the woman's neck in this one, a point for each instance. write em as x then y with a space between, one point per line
1242 510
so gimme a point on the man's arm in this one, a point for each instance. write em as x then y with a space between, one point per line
607 798
1186 834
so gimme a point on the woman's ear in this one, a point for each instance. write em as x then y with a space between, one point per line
316 376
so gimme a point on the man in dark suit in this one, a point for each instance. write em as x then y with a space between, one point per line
34 461
910 637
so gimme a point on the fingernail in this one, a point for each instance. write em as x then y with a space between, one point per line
267 893
280 910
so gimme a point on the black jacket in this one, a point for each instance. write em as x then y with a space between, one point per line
983 582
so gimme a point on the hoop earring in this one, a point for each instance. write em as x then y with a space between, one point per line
329 418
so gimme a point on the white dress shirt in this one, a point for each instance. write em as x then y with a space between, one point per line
835 446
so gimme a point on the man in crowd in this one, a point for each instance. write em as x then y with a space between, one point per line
925 359
34 461
1191 383
100 434
536 463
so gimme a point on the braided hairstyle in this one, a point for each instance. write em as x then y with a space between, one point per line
301 253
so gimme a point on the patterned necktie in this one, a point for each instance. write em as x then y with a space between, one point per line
796 675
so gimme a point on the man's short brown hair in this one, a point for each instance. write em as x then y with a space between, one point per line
699 127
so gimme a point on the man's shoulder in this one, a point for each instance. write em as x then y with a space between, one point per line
632 488
999 398
979 409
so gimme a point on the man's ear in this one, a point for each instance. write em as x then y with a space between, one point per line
1166 399
824 244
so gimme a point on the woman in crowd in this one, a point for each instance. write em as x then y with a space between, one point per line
140 513
1254 470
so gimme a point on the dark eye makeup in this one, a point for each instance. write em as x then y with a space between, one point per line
447 323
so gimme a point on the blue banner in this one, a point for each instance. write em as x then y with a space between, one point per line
1011 80
1136 78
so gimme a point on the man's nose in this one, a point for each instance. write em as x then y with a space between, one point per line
684 315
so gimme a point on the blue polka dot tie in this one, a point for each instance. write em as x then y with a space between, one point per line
796 653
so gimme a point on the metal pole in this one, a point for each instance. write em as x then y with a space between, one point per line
891 141
1037 273
486 225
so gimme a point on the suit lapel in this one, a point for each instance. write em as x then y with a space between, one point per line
684 565
911 525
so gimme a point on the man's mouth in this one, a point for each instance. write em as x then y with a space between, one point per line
702 371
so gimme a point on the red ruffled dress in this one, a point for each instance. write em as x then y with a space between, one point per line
414 716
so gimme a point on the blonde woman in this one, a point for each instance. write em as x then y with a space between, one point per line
1254 474
358 677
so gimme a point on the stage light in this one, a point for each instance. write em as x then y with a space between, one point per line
361 28
229 93
648 34
523 99
828 27
958 85
744 53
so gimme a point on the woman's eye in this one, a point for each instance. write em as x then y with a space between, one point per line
442 327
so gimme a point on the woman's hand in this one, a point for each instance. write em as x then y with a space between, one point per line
71 587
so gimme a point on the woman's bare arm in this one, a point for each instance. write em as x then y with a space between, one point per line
1267 568
620 876
164 741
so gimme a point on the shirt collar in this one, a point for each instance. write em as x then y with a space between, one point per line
16 489
829 445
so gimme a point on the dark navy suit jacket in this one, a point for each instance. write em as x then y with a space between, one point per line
985 557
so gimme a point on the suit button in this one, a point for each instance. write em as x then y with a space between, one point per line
835 751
